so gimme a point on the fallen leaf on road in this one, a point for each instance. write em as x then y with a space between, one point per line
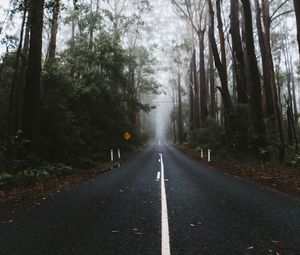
274 241
193 225
250 248
277 253
10 221
115 231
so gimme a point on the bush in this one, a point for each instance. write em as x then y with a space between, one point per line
6 179
210 136
31 176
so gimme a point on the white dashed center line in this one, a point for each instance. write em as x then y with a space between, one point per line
158 176
165 238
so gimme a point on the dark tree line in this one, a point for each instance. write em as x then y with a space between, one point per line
73 105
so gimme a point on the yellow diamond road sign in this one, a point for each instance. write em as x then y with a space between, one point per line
127 136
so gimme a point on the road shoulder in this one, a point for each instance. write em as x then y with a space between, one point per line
268 176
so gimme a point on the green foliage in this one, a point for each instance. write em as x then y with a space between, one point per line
88 96
210 136
87 103
31 176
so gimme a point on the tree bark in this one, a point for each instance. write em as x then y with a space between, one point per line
203 87
238 54
212 84
229 122
31 109
264 58
180 127
270 79
12 107
259 129
191 97
196 91
54 28
297 13
221 69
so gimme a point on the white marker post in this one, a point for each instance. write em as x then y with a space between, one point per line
111 155
119 154
201 153
208 155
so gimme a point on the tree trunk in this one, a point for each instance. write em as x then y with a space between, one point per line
191 97
266 71
91 25
221 69
270 79
229 122
54 27
297 12
203 87
10 153
259 129
212 84
221 33
294 93
31 110
180 131
196 91
238 54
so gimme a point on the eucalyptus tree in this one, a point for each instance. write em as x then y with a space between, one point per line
32 97
263 22
259 129
221 66
194 12
55 10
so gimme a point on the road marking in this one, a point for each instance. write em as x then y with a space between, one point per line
158 176
165 238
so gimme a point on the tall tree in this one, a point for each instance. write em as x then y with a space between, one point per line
238 54
54 27
31 109
194 13
259 129
12 105
218 62
268 70
239 77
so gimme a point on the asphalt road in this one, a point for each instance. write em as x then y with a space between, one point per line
124 211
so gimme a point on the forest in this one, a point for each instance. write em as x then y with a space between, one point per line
237 70
76 75
65 107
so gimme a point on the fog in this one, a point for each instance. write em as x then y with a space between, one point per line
161 30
